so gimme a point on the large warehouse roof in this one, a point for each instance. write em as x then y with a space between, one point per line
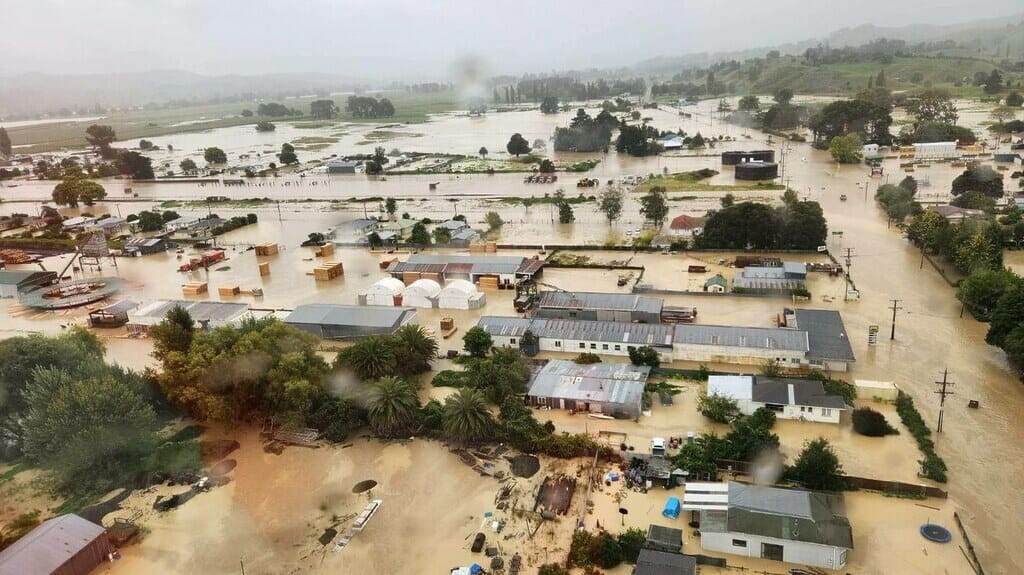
750 337
600 301
582 330
827 338
621 383
216 311
467 264
349 315
49 546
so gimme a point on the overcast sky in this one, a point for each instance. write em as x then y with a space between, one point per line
380 39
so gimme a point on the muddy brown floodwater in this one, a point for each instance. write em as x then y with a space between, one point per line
265 516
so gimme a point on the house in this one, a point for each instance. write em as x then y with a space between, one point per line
64 545
790 525
800 399
507 269
453 225
464 237
13 283
771 279
180 223
576 336
77 223
955 215
401 227
199 230
828 344
598 306
109 226
345 322
652 562
343 167
206 314
363 226
684 226
614 389
716 284
144 246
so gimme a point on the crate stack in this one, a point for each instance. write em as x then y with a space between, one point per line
264 268
488 282
328 271
268 249
194 288
228 291
324 251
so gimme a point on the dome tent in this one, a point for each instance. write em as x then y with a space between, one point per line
383 292
461 294
422 293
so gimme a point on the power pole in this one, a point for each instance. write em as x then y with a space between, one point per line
894 308
942 395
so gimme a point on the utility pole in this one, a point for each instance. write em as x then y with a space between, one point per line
942 395
279 210
894 308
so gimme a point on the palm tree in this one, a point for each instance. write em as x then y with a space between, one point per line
393 406
371 358
466 416
416 347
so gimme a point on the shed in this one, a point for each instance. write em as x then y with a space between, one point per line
667 539
877 390
422 293
387 291
209 314
653 562
65 545
15 282
113 315
614 389
344 322
716 284
460 294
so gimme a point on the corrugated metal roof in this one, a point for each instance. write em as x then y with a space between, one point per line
781 391
17 277
619 383
734 386
752 337
827 338
119 307
651 562
600 301
199 310
349 315
49 546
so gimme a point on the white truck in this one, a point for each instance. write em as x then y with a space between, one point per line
658 446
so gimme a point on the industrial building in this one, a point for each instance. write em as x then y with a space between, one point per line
461 294
205 314
144 246
507 269
828 344
733 158
598 306
13 283
387 291
343 322
741 345
779 280
789 525
757 171
936 151
65 545
614 389
800 399
575 336
112 315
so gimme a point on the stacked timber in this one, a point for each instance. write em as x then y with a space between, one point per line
447 327
324 251
228 291
264 269
410 277
477 248
491 247
488 282
328 271
268 249
194 288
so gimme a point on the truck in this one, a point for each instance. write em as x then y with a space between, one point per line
658 446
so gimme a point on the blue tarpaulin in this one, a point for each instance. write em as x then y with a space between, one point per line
671 509
474 568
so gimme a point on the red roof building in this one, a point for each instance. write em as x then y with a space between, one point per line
65 545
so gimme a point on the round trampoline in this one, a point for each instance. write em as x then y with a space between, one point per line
72 293
936 533
364 486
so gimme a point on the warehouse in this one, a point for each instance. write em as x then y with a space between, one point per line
614 389
144 246
800 399
343 322
599 306
461 294
421 293
733 158
757 171
205 314
828 344
387 291
65 545
576 336
506 269
13 283
742 345
936 151
771 280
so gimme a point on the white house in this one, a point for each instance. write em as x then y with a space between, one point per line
421 293
387 291
789 525
686 226
800 399
181 223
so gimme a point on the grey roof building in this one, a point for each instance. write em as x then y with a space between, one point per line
15 282
733 336
342 322
652 562
654 335
65 545
667 539
471 268
786 278
610 388
828 343
782 391
791 525
204 313
599 306
144 246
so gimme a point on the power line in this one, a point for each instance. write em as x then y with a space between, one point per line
894 308
942 395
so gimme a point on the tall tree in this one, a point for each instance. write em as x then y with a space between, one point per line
654 206
419 236
517 145
391 206
392 407
5 142
371 358
287 155
215 155
173 334
466 417
549 105
323 109
100 137
477 342
610 204
74 188
482 152
880 79
416 348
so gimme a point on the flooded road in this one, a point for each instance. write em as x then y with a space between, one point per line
979 446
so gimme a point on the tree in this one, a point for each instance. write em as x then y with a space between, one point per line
934 105
477 342
749 103
246 113
482 152
419 235
188 166
880 79
1007 315
565 215
549 105
466 417
215 156
134 164
74 189
287 155
631 541
552 569
654 206
644 355
372 357
5 142
897 201
145 145
818 467
846 149
415 349
783 96
980 292
1013 99
322 109
442 235
547 166
20 356
275 110
994 83
373 168
493 220
910 184
1002 114
719 408
610 204
174 334
265 126
391 206
517 145
867 421
100 137
392 407
981 179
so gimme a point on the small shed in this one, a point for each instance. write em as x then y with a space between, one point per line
716 284
667 539
113 315
387 291
653 562
422 293
877 390
65 545
460 294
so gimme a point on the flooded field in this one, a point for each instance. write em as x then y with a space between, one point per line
272 524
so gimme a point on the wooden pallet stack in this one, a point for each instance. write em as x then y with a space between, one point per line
447 327
264 269
328 271
268 249
228 291
194 288
491 247
324 251
488 282
477 248
409 277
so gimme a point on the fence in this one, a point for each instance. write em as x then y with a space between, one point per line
896 487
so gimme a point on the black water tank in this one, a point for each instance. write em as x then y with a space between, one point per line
738 157
757 171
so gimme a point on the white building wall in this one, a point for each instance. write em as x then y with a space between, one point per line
798 552
806 413
740 355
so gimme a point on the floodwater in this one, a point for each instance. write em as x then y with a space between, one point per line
978 445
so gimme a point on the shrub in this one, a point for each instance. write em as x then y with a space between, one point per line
449 378
717 407
818 467
869 422
932 466
552 569
632 541
587 358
